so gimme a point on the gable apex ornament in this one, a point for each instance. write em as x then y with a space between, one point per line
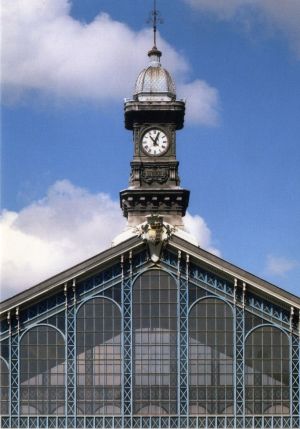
156 234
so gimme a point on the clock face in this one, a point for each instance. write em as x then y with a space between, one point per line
155 142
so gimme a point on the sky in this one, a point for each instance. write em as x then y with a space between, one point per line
66 67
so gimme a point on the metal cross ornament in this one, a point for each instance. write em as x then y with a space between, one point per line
154 19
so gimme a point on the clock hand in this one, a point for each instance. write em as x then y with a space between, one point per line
156 138
154 141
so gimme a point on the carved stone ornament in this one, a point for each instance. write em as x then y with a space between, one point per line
155 174
156 233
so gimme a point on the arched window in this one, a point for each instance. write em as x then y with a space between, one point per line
4 388
42 372
155 344
99 358
267 371
211 358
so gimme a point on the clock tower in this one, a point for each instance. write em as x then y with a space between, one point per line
154 115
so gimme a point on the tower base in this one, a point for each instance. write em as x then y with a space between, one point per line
169 203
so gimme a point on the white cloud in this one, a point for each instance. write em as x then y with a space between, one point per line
202 102
279 266
66 227
276 14
46 51
198 228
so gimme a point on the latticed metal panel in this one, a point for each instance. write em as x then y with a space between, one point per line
127 346
295 366
239 360
14 386
71 357
183 347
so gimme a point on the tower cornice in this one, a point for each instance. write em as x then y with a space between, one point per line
154 111
170 203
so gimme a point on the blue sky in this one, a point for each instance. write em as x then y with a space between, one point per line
66 69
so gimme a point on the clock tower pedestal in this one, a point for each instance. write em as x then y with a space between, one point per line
138 203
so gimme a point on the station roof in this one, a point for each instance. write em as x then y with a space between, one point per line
135 244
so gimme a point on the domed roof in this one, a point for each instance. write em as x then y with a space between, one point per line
154 82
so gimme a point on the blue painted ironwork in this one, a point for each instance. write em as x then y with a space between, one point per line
14 378
267 309
212 282
95 282
70 303
127 340
103 283
183 342
239 304
197 273
239 360
295 382
279 422
43 308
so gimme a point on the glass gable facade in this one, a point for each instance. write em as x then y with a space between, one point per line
138 345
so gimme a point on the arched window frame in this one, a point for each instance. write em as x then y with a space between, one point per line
268 325
78 308
176 282
28 330
225 302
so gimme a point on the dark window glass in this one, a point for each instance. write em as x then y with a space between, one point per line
99 358
155 344
252 320
42 372
211 358
4 388
114 293
58 321
267 371
4 349
195 293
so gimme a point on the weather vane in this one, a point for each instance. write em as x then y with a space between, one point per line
154 19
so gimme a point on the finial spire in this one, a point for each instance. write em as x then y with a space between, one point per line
154 19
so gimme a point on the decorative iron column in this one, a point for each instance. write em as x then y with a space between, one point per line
127 394
183 342
239 350
70 297
295 372
14 372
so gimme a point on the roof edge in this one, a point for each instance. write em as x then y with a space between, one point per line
69 274
180 243
235 271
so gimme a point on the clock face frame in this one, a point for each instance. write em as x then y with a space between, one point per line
155 142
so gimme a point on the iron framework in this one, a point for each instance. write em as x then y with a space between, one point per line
117 281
